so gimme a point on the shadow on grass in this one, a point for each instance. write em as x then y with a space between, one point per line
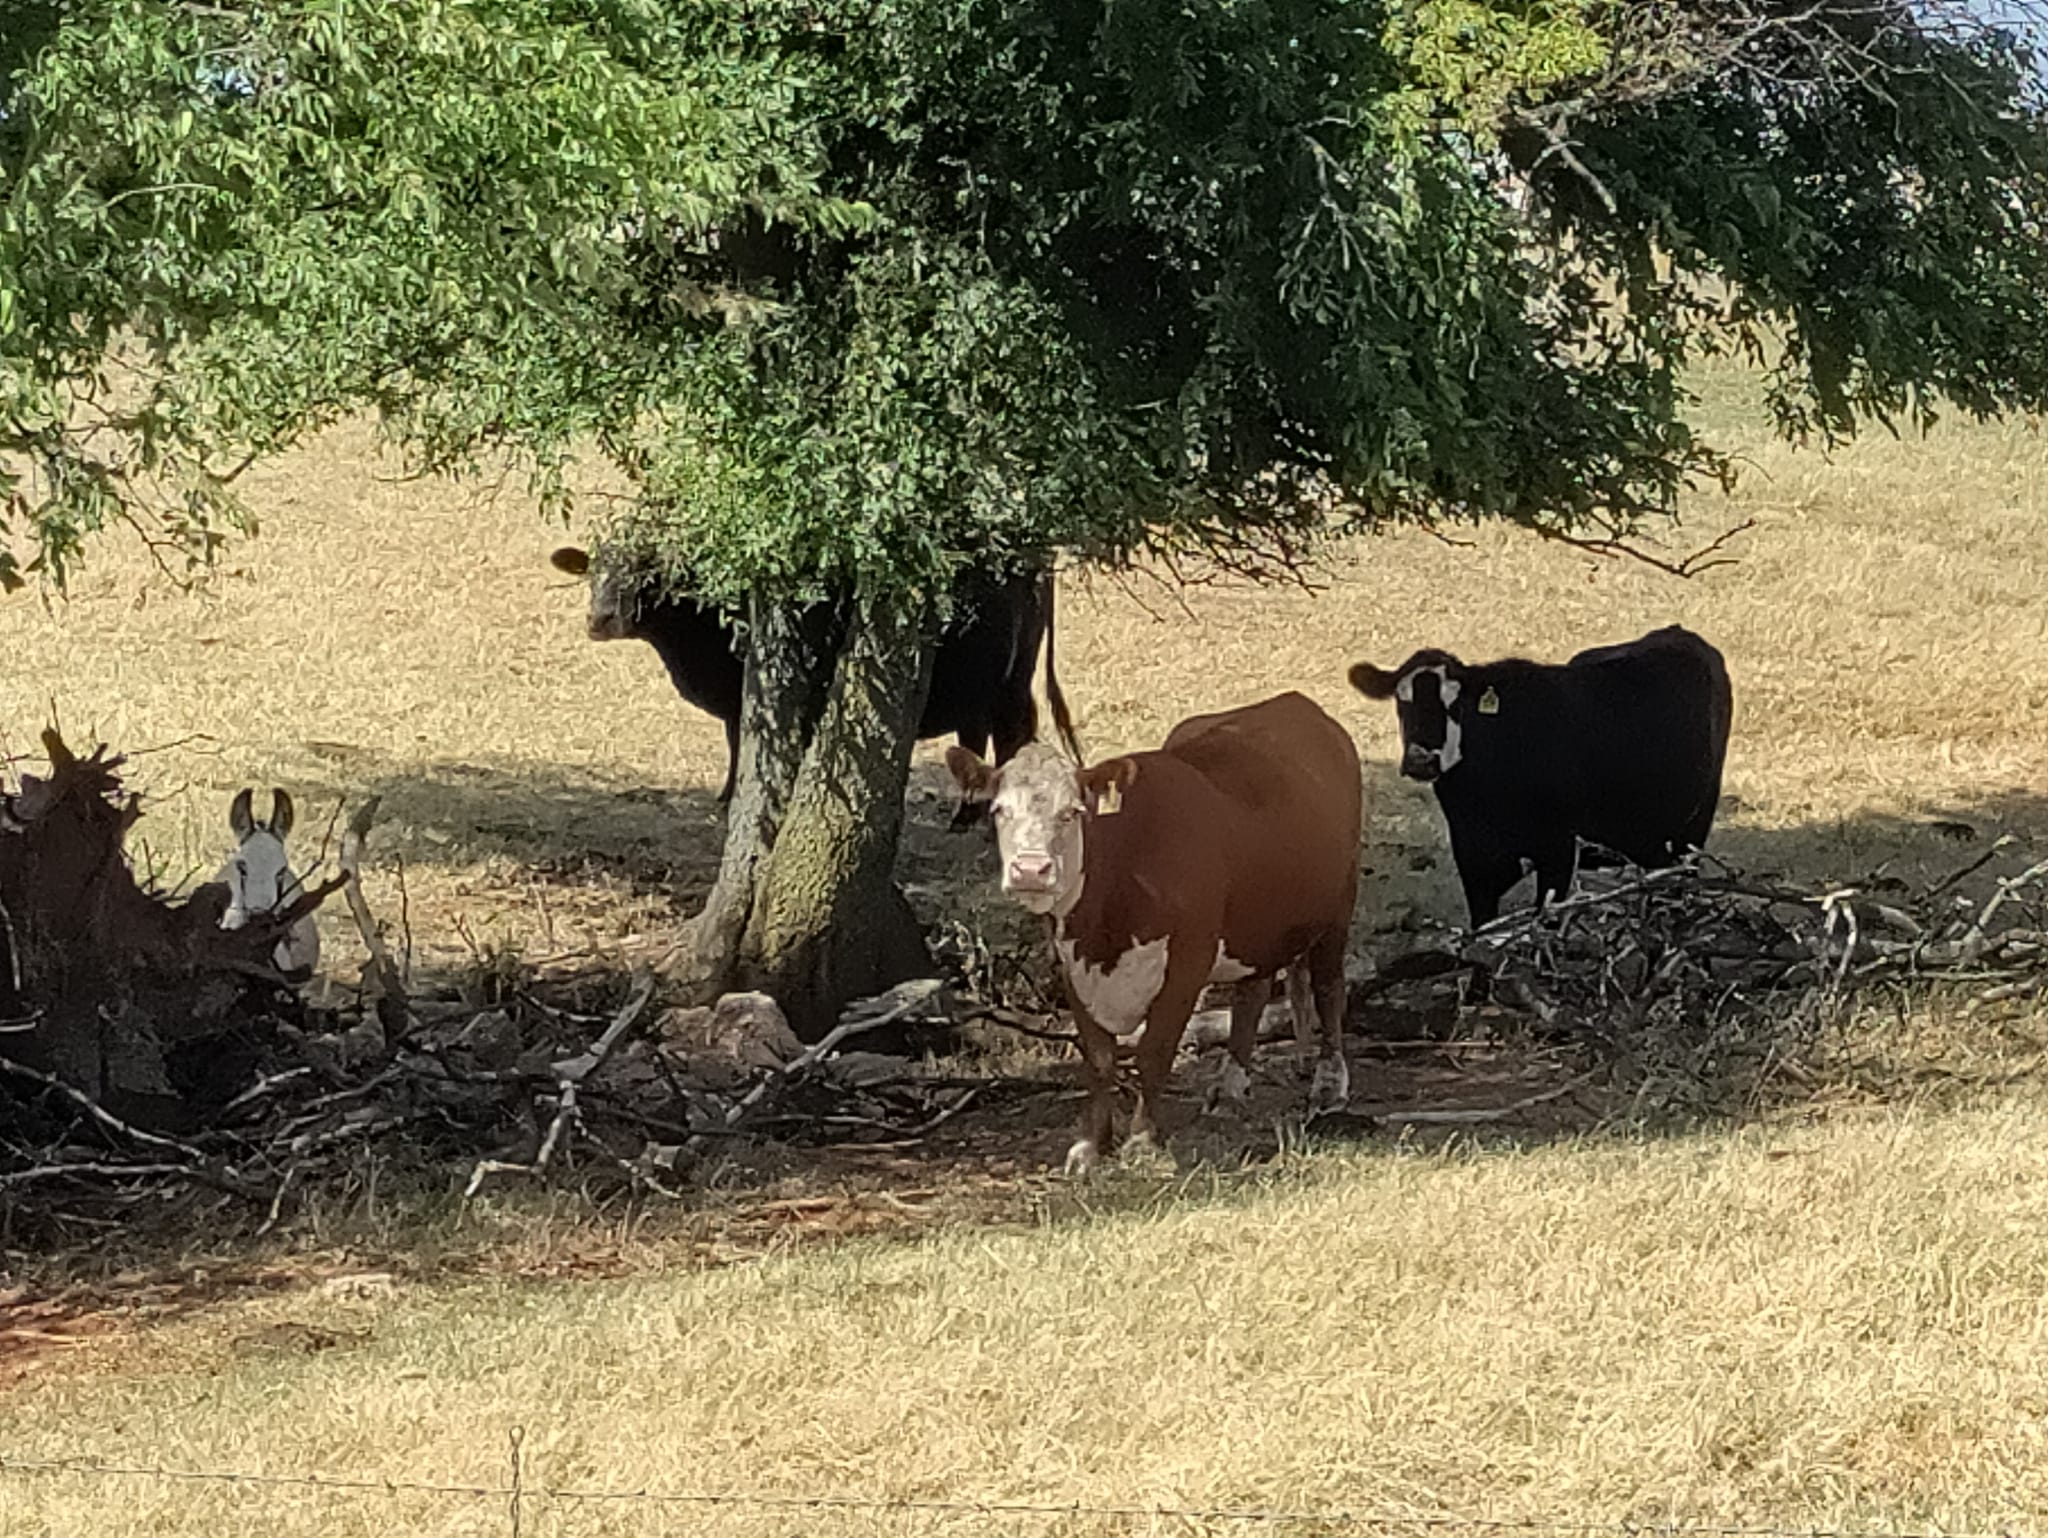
525 822
994 1164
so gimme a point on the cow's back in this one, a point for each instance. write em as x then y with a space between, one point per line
1651 722
1290 776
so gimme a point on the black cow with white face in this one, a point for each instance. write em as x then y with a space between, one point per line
981 675
1621 746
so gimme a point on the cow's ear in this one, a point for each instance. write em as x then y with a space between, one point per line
575 562
280 811
1374 683
241 822
977 781
1103 786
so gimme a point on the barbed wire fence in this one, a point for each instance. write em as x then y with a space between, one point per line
523 1500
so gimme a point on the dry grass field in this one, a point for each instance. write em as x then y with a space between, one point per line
1813 1326
1838 1315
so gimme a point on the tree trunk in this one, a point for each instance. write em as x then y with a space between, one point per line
788 668
806 906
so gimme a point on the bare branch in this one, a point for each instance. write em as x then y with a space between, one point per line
1706 558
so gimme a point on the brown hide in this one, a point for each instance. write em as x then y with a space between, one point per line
1242 830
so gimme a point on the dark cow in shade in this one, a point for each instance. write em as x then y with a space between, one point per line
981 675
1228 855
1622 746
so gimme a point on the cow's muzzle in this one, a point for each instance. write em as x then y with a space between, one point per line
1421 764
1030 873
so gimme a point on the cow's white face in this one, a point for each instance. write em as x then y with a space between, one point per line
1039 815
1036 803
1426 694
258 874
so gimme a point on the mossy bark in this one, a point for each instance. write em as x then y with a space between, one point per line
806 906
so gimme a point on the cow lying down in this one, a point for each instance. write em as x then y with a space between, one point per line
1621 746
1225 856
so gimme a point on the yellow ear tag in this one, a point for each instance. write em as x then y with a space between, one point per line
1111 801
1489 703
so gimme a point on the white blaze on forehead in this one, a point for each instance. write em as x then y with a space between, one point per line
1447 686
1117 997
1448 755
1447 689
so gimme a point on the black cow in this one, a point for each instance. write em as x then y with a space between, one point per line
1622 746
981 675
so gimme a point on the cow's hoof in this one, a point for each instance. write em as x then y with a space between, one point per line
1330 1089
1082 1158
1233 1086
1143 1153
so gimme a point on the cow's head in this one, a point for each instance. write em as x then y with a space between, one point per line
259 874
1428 691
614 601
1041 803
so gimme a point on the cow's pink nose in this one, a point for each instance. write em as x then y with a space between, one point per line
1031 871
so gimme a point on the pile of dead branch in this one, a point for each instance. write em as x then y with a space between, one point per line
1695 987
470 1093
112 990
154 1065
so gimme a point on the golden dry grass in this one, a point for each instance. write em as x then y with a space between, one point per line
1883 627
1833 1323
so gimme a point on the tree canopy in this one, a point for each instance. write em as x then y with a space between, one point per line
860 288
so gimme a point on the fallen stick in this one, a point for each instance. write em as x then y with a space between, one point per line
1973 943
570 1074
229 1183
391 1002
93 1167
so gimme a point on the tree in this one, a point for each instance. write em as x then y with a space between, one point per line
861 291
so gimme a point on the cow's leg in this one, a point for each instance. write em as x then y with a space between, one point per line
1485 871
1015 722
968 813
732 759
1098 1066
1556 860
1331 1086
1301 1004
1165 1022
1234 1074
1694 834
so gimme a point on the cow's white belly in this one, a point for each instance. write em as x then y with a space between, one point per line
1117 998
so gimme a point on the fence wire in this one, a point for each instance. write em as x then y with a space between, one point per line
518 1494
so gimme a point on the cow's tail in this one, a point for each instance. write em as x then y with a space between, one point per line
1062 718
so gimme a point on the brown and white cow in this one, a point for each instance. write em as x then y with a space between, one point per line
1229 854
